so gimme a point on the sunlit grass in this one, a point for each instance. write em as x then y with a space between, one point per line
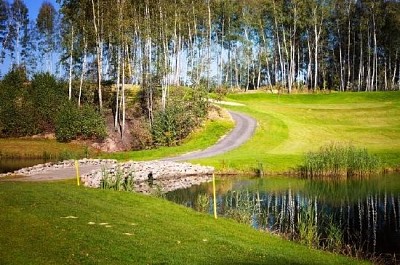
292 125
60 223
41 148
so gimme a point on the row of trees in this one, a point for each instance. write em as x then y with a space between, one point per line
287 44
338 44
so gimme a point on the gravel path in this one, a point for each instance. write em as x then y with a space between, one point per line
244 128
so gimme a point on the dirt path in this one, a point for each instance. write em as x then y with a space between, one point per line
244 128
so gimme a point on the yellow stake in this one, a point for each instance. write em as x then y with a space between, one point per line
78 176
215 198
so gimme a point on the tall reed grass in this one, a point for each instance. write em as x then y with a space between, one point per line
336 160
117 180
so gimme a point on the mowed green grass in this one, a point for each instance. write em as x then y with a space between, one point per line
290 125
60 223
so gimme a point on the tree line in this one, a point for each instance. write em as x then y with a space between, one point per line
346 45
313 44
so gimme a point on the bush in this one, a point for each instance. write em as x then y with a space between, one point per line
47 95
185 110
73 122
17 113
141 134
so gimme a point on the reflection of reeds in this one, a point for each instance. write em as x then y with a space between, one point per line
241 206
307 226
337 161
202 203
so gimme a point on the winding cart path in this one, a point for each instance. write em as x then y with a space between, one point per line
245 127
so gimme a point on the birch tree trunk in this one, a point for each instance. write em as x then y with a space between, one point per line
99 49
83 70
70 64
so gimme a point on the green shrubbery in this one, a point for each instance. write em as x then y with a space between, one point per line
185 110
17 113
47 95
72 122
41 105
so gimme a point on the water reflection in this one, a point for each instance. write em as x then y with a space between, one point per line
354 216
10 165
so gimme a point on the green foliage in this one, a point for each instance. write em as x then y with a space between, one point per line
117 180
203 203
141 134
186 109
308 228
334 237
336 160
73 122
47 95
166 129
17 113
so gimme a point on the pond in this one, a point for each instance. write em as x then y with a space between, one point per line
10 165
352 217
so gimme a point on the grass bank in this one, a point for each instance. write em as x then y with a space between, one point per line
59 223
292 125
35 148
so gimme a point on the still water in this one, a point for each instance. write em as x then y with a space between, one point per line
360 215
10 165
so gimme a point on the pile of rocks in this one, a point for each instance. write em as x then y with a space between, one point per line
166 175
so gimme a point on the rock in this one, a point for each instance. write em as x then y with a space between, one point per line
166 175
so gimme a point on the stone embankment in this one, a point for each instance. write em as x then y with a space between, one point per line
146 176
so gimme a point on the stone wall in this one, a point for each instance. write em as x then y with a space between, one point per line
163 175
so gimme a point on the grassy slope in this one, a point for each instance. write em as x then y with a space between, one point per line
143 230
37 148
290 125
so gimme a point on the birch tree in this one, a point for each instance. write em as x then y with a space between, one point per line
18 38
46 22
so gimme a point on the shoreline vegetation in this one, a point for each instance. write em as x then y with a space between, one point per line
336 161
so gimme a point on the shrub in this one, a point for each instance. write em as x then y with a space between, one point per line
141 134
185 110
73 122
47 95
17 113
